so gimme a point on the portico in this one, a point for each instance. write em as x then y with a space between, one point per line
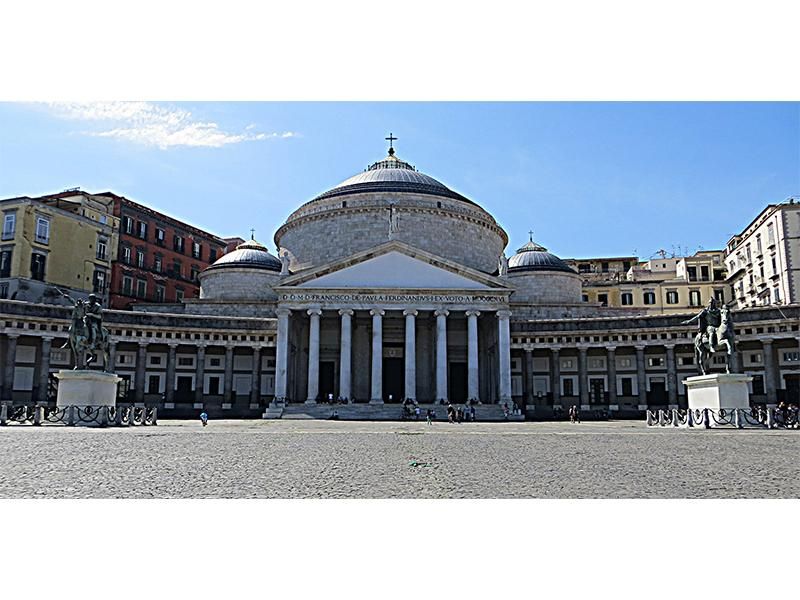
364 330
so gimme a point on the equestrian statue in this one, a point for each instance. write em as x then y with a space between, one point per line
86 333
715 332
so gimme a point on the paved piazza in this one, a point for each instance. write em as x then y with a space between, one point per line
319 459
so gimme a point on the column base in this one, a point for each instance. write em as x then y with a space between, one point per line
310 401
376 401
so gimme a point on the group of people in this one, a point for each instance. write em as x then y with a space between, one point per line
574 414
459 414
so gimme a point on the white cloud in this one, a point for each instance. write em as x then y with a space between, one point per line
153 125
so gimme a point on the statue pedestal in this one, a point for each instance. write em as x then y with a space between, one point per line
83 389
718 391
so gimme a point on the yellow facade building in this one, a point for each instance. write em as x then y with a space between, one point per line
66 240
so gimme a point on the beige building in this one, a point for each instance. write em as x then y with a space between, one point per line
660 285
764 260
67 240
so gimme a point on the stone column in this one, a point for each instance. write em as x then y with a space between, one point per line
314 315
672 377
411 354
441 354
555 373
583 375
641 376
112 356
227 397
377 356
473 380
11 361
611 371
199 373
281 353
770 381
44 369
141 365
504 350
255 379
170 383
346 354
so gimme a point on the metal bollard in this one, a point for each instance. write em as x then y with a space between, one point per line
37 415
689 417
737 418
3 414
118 416
71 415
155 416
706 424
649 418
675 422
770 421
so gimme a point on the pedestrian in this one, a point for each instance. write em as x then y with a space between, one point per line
429 415
572 414
416 413
472 413
505 410
204 418
577 414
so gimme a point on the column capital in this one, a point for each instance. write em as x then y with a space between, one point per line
311 312
767 341
48 338
173 344
473 313
257 349
346 311
12 335
582 348
377 312
143 343
503 314
442 312
283 312
640 347
555 349
410 312
611 348
670 345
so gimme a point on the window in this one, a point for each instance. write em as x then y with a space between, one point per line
9 225
160 236
584 268
603 299
758 385
755 359
774 266
179 295
627 386
159 293
140 259
5 262
195 273
127 225
126 254
694 297
153 384
749 254
672 297
177 244
186 361
704 273
777 294
141 288
791 356
584 297
212 254
770 235
99 282
627 298
758 245
604 267
37 266
655 361
719 295
197 250
177 269
127 286
157 263
213 386
568 390
155 359
3 290
102 248
103 219
597 363
625 363
215 362
43 230
692 272
685 361
649 297
142 230
566 363
626 265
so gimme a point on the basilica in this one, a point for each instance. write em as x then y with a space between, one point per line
392 287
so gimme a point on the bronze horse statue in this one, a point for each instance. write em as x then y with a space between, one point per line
707 342
80 338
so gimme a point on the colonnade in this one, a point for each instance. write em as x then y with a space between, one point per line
410 353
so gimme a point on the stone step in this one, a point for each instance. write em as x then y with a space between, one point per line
385 412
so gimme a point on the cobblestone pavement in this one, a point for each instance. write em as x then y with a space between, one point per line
322 459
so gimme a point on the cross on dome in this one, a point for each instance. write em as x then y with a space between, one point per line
391 139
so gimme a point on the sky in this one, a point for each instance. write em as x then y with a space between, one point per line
589 179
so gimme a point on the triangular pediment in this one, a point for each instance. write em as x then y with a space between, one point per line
395 265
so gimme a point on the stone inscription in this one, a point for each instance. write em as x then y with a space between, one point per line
392 298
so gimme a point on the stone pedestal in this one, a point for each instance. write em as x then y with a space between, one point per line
718 391
86 388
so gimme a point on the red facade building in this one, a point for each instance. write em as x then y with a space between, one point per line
159 258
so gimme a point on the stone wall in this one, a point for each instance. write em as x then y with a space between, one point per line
237 283
449 228
545 287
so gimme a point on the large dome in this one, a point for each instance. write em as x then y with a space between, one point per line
391 200
251 254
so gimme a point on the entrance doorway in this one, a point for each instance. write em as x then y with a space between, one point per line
597 391
393 379
326 378
792 388
457 382
183 391
658 392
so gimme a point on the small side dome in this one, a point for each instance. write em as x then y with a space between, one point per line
533 257
251 254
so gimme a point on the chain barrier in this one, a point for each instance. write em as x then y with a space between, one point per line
767 418
98 416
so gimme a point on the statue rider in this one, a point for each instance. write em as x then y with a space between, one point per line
709 319
94 319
